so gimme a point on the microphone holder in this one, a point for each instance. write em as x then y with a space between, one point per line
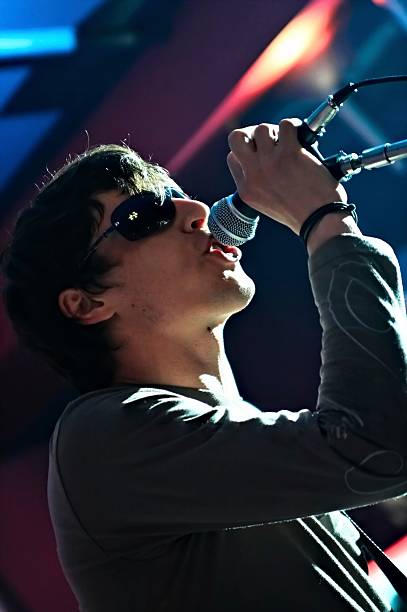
343 166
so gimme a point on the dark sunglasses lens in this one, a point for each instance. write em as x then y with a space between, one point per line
141 215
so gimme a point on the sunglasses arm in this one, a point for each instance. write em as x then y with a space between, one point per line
94 246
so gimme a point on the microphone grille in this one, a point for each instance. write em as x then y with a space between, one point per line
230 226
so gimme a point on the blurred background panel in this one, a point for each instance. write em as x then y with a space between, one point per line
172 78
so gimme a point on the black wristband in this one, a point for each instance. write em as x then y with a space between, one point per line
321 212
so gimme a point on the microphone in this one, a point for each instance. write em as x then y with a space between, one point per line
314 126
231 221
343 166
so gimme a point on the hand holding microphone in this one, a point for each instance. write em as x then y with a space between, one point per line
277 177
286 182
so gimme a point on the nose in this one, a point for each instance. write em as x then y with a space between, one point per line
192 214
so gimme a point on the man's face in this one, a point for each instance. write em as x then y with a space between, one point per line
168 280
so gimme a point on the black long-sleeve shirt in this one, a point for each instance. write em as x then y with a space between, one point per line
176 499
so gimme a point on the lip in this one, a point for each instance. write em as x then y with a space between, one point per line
228 249
223 258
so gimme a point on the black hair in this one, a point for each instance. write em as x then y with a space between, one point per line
50 239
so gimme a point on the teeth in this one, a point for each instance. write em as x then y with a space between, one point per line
218 245
230 256
229 252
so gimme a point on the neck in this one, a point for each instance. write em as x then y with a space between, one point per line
198 361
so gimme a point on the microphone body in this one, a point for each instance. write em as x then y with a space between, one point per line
231 221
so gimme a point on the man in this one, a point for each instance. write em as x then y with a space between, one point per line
167 491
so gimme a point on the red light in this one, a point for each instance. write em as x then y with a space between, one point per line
301 41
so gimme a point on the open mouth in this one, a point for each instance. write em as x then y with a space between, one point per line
231 253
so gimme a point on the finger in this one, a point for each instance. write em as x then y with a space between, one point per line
241 142
288 133
248 130
266 135
235 169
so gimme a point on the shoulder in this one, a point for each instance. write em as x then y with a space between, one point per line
121 411
106 428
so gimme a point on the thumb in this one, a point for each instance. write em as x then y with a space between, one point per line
235 169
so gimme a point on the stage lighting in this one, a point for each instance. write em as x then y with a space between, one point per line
35 42
303 39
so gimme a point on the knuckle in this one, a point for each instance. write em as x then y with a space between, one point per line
236 136
264 129
290 123
285 123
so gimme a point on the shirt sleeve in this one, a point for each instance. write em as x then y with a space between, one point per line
186 466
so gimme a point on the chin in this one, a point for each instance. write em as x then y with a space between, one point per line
247 293
239 292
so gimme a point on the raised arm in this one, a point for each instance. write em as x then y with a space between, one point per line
188 466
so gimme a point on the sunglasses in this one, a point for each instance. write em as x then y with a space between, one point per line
139 216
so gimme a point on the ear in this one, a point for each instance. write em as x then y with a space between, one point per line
76 304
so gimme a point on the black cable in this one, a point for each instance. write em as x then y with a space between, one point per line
315 124
342 94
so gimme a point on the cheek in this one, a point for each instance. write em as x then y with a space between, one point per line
159 288
155 270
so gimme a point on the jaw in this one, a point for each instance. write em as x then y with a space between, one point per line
181 305
232 294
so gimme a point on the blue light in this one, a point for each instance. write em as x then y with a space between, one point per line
11 80
44 41
19 135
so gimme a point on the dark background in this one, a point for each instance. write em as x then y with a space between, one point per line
150 73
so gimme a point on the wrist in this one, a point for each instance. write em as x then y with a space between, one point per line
331 225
